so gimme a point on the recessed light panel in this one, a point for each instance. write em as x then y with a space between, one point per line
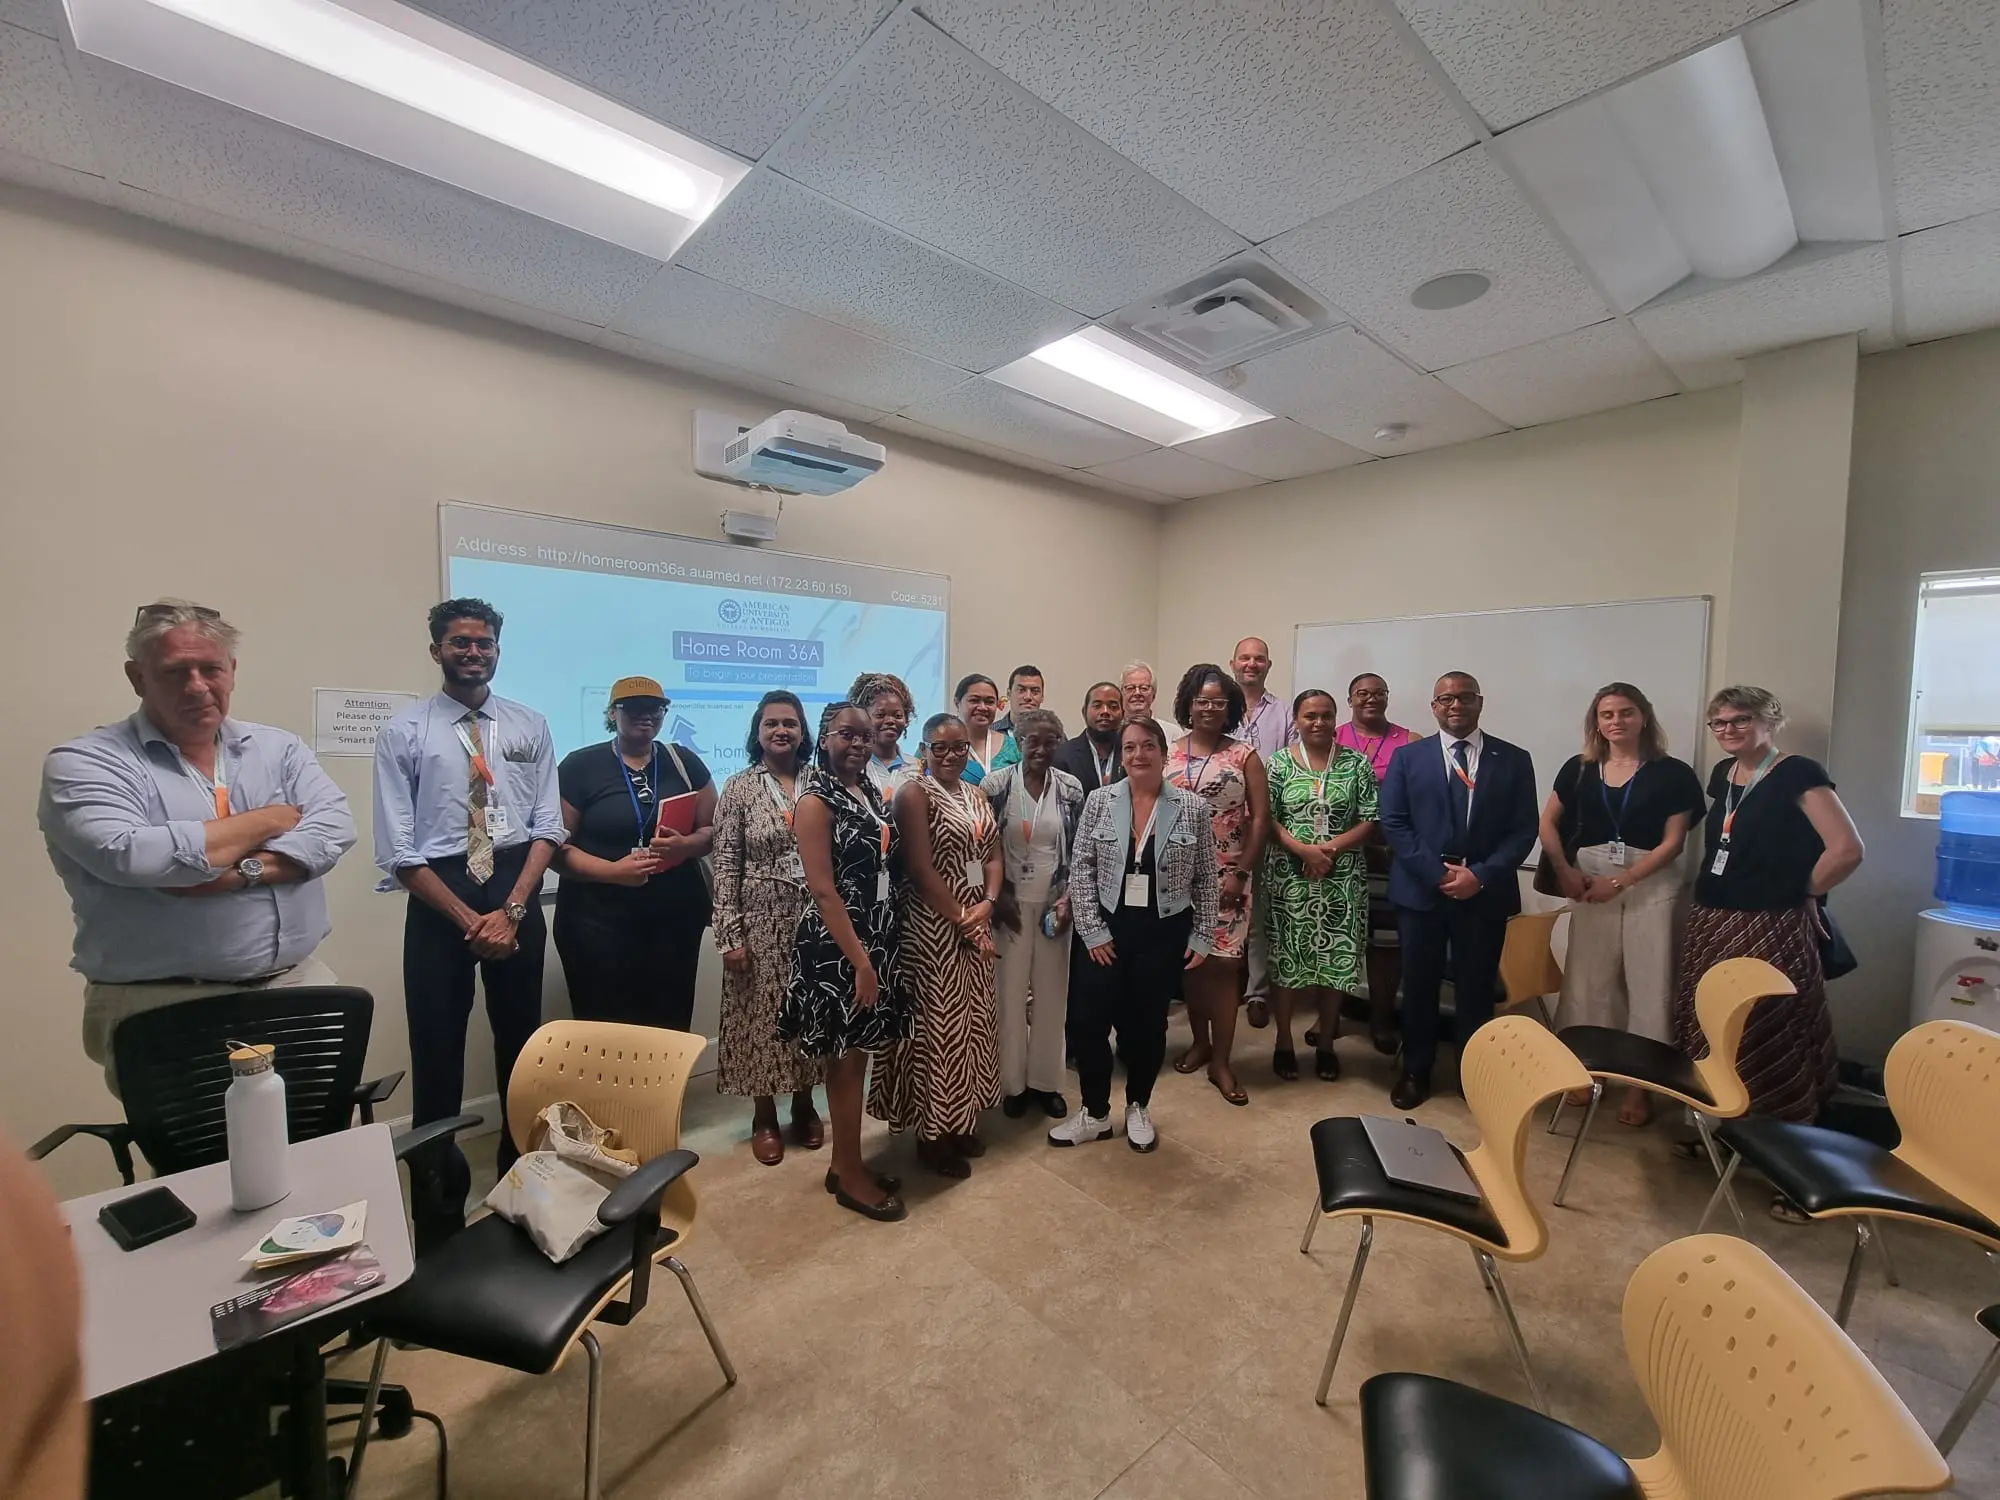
1101 376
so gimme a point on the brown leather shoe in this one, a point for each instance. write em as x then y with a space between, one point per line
809 1133
767 1145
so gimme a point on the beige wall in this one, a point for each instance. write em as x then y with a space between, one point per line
1925 498
181 417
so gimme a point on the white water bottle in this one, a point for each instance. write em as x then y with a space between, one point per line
254 1111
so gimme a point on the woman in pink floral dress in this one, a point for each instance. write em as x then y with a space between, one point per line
1229 776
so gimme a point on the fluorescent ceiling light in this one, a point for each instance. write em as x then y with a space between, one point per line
1099 375
403 86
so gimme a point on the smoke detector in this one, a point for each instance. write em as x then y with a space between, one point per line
1236 311
1392 432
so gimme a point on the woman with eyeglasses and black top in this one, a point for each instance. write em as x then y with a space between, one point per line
846 998
760 893
633 901
1777 839
938 1081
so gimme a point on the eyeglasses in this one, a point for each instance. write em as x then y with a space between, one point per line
163 611
1734 721
948 750
1447 700
485 645
643 708
850 736
1219 705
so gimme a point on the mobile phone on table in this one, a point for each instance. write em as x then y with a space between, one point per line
145 1217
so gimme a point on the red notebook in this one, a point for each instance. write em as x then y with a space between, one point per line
677 814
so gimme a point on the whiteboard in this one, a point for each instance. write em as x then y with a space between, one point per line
1537 667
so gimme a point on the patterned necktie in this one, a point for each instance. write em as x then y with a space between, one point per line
478 842
1460 795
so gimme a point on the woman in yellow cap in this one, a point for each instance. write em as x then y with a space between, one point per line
634 901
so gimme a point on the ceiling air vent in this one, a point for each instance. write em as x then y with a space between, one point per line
1234 312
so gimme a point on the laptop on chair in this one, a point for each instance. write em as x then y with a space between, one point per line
1418 1156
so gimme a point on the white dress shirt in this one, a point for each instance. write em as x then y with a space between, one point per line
1474 742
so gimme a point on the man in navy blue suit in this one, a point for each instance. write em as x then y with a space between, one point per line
1458 810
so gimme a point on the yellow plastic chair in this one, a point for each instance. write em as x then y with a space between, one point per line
1529 972
489 1293
1757 1393
1710 1087
1943 1083
1508 1068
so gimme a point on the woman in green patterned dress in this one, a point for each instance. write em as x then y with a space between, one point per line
1316 881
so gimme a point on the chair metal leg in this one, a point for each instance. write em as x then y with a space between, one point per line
591 1415
1346 1308
1706 1132
1312 1227
1975 1396
1485 1276
1542 1009
367 1419
1853 1278
673 1264
1721 1192
1492 1273
1882 1248
1582 1131
1557 1113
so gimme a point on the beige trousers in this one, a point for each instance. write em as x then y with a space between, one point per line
106 1005
1620 968
1031 1056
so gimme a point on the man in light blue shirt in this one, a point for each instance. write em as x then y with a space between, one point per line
192 844
467 816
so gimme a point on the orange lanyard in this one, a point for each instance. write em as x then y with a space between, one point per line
1738 795
218 786
479 765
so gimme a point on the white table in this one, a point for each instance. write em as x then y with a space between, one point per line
146 1311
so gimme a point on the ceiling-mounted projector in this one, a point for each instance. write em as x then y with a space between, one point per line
802 454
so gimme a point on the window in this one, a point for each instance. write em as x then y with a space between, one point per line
1954 739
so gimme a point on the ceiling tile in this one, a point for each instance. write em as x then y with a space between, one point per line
40 113
924 136
687 311
1806 296
181 145
1514 59
786 242
1460 215
1265 113
1112 486
991 413
962 444
733 74
1345 385
1593 369
43 16
1277 449
782 391
1951 278
1942 58
28 171
1172 472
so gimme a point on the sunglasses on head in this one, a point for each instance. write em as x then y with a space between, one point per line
147 612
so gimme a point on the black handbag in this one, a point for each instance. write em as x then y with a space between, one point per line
1835 957
1572 836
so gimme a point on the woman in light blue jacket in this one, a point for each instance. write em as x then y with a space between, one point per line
1143 892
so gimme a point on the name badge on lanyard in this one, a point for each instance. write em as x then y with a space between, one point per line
975 869
498 825
651 800
882 830
1617 815
1139 885
790 866
1737 797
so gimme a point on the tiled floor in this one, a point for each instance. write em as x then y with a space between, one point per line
1092 1322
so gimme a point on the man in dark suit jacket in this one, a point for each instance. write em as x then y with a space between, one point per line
1458 810
1093 756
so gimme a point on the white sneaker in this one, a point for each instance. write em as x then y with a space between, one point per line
1080 1127
1139 1132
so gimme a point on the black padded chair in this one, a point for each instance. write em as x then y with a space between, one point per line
1942 1080
172 1066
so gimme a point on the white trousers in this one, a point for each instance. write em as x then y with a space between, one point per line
1620 968
105 1005
1031 1056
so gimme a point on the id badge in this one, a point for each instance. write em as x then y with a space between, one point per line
882 886
1617 852
498 824
1138 890
1320 821
791 867
1028 869
975 874
1721 862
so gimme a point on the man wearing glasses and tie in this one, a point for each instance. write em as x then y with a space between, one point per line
192 844
466 819
1458 810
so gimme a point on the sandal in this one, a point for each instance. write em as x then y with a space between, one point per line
1285 1063
1187 1062
1234 1096
1326 1064
1787 1212
1312 1036
767 1145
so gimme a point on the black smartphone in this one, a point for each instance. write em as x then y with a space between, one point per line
145 1217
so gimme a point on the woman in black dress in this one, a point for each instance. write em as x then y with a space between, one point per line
846 999
633 903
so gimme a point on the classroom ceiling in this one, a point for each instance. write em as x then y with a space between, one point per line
942 186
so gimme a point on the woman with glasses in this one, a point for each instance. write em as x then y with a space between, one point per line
846 996
1777 839
1229 776
886 699
760 894
938 1081
633 901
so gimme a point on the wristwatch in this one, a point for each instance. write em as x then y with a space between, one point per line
251 869
517 912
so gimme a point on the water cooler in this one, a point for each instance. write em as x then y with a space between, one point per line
1958 945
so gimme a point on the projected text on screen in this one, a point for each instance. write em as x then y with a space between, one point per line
719 626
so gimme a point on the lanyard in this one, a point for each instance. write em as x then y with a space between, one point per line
652 788
1193 771
1146 832
1318 778
985 761
218 788
1737 794
1256 721
1617 817
1371 750
881 823
970 808
779 800
1104 765
1458 770
1033 814
478 760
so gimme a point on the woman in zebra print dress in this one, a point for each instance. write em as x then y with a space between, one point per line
938 1081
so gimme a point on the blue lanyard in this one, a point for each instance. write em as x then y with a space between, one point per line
1618 817
652 785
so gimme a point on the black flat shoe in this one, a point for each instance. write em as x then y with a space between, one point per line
1285 1063
941 1159
1312 1036
883 1181
1386 1042
1411 1090
1016 1105
1055 1106
889 1211
1326 1063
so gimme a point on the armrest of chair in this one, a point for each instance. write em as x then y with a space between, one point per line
410 1142
118 1137
376 1092
636 1201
